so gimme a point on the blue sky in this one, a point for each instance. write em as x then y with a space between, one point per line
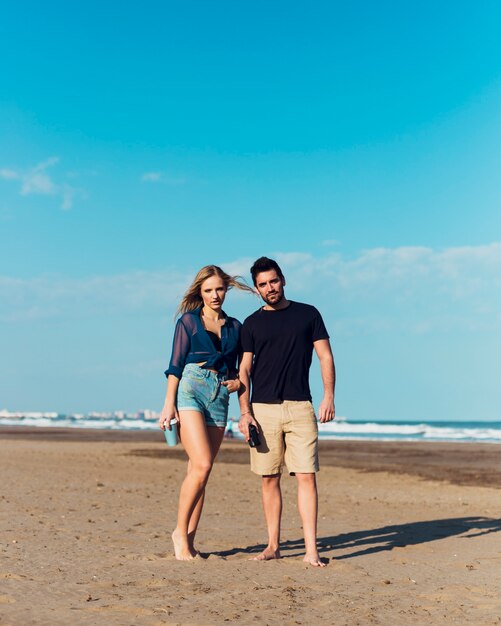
358 143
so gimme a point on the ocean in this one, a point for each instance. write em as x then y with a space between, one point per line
341 428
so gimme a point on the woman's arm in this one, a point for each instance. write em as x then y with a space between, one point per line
180 348
169 410
181 343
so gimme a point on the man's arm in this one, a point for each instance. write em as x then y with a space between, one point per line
246 417
326 410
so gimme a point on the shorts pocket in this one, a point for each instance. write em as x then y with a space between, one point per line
191 385
194 373
308 408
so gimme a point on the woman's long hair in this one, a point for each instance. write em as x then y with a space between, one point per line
193 300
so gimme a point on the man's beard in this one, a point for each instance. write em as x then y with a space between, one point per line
278 298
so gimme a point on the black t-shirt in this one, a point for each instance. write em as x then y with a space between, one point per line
282 344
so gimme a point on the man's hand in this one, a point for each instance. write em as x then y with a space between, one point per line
246 419
326 411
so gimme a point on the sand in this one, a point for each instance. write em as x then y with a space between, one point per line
410 532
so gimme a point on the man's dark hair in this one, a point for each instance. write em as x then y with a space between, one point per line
264 264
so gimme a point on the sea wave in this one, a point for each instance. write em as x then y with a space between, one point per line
340 429
487 432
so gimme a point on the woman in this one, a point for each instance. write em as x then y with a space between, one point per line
201 375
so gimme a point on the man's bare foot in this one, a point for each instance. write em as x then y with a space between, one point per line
181 548
268 554
314 559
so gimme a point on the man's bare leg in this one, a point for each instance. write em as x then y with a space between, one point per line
272 505
307 500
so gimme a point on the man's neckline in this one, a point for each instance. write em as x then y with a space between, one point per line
285 308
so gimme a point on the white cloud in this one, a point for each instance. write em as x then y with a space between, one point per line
419 290
413 288
8 174
68 193
39 182
151 177
459 271
57 296
54 160
163 177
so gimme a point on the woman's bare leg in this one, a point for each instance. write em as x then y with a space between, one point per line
195 440
197 444
215 438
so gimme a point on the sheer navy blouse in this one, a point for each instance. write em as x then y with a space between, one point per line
192 344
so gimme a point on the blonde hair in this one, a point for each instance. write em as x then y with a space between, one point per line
192 299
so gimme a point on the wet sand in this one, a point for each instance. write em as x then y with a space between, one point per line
410 532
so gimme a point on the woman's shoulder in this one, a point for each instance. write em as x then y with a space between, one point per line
189 318
232 321
189 314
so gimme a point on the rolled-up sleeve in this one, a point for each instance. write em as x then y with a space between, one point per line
180 349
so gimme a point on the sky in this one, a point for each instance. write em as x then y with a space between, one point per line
357 143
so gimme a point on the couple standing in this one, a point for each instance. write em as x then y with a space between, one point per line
274 348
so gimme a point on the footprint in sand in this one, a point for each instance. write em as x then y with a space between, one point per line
6 600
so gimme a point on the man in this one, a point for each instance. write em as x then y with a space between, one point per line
277 343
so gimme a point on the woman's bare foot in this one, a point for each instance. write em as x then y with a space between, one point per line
314 559
181 547
191 539
267 554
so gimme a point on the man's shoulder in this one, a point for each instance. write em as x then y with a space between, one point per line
302 307
295 307
252 317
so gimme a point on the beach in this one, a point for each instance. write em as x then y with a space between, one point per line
410 532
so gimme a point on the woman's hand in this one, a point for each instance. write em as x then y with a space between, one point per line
168 413
232 385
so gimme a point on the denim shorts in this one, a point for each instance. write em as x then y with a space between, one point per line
201 390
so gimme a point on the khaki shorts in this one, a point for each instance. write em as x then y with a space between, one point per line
289 432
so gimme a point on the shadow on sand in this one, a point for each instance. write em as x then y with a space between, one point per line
364 542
